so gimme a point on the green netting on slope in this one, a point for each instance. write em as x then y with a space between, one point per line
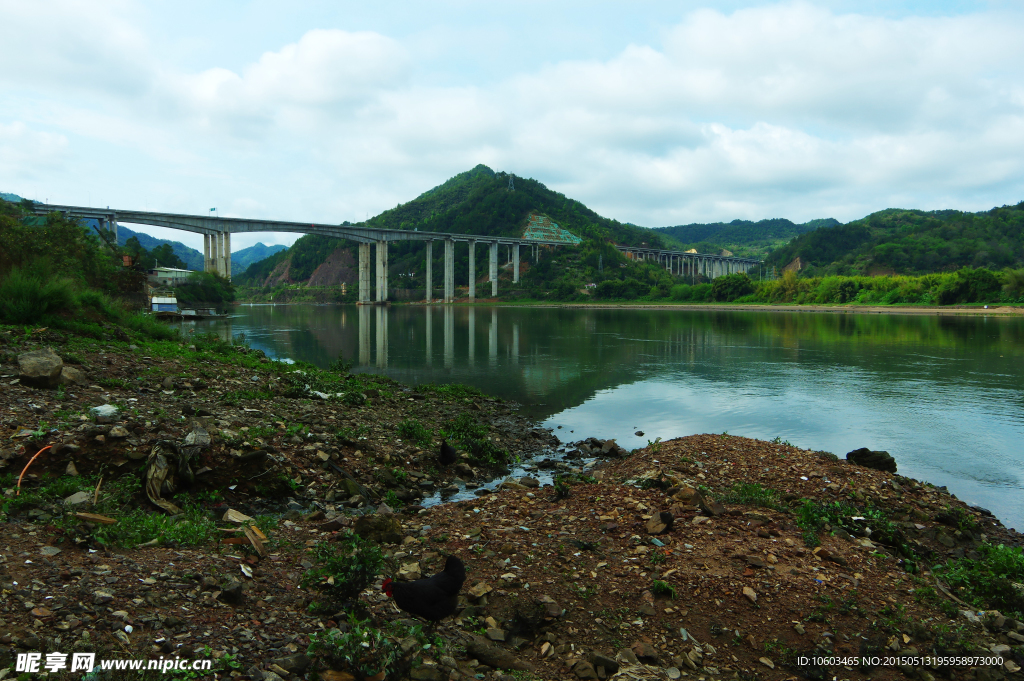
541 227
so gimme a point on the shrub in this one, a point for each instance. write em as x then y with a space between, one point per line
730 287
363 650
969 286
344 569
26 298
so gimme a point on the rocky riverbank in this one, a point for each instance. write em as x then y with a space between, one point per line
708 556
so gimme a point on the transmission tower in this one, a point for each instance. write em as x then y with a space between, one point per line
511 184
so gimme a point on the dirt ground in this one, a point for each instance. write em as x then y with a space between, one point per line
579 582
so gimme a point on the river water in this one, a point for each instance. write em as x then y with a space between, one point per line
943 395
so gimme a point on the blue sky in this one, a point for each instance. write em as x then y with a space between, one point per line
655 113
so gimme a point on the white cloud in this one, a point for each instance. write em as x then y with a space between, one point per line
781 110
27 155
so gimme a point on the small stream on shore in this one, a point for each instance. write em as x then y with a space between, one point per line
944 395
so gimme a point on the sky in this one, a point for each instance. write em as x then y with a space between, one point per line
654 113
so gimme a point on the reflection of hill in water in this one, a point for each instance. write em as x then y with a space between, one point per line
553 359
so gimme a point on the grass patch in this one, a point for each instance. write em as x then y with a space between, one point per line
192 528
988 583
753 494
362 650
414 431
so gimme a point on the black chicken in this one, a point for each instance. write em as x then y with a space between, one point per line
432 598
448 455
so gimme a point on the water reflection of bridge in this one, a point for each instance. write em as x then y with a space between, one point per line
373 334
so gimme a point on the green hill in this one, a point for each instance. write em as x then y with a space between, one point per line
479 202
911 242
742 237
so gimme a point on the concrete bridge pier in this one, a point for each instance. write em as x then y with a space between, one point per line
472 273
206 252
382 271
515 263
494 269
430 271
364 272
227 255
449 271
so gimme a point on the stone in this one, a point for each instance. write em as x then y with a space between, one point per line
584 670
645 652
480 590
295 664
168 383
799 628
496 634
232 592
686 495
78 498
766 662
660 523
426 673
71 469
100 597
626 656
410 572
118 432
709 506
750 594
72 376
755 561
49 551
40 368
529 482
877 460
491 655
611 667
379 528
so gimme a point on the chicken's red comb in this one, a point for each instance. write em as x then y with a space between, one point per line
386 586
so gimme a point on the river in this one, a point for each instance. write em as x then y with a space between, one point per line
943 395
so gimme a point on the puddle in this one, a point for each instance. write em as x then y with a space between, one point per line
542 466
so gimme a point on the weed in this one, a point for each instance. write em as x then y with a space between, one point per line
191 528
753 494
362 650
655 445
660 588
658 557
346 567
989 581
414 431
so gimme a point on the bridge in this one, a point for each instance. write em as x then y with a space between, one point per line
217 233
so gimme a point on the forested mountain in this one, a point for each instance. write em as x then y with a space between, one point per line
911 242
478 201
742 237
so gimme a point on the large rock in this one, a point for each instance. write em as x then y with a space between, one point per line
492 655
40 368
880 461
660 523
379 528
72 376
